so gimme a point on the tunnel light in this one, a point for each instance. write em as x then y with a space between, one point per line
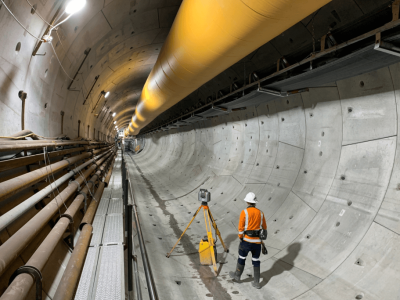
74 6
107 94
114 114
115 122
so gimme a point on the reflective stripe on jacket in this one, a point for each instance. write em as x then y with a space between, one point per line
251 218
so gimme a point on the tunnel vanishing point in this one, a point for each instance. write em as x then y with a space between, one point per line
114 114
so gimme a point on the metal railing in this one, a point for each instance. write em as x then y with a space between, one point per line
131 210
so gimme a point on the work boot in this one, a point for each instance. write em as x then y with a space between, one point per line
236 275
256 282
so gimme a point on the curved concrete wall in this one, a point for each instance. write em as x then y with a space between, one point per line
325 168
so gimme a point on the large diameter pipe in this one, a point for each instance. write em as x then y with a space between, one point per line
108 177
29 145
91 211
69 282
21 285
16 184
13 247
16 212
205 39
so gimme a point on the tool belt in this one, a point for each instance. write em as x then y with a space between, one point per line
252 233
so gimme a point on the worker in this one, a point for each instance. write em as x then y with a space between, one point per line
250 222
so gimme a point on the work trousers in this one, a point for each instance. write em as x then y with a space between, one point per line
245 248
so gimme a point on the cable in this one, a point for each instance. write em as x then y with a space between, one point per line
54 50
25 136
39 14
54 180
20 22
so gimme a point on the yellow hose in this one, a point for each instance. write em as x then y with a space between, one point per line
207 37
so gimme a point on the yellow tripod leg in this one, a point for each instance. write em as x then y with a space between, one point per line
194 216
210 238
217 232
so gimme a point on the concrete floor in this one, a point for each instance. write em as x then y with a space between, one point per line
325 168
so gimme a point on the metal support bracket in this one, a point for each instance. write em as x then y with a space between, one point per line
385 46
77 183
71 230
35 273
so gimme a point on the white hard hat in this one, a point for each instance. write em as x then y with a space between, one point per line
250 198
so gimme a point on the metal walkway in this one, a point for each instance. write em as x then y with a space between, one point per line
103 273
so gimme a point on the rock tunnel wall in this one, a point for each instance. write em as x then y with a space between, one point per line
324 165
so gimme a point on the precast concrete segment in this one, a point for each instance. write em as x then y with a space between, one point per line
324 165
206 38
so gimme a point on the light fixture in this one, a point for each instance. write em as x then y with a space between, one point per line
114 114
74 6
115 122
107 94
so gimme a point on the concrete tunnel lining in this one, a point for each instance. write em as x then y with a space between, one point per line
325 177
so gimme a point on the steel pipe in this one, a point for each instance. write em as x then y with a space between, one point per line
21 285
110 170
13 247
27 160
19 210
12 186
69 282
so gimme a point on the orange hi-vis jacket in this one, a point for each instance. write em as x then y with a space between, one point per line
251 218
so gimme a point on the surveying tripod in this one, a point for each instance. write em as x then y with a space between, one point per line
208 219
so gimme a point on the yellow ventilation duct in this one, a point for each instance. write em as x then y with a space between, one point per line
207 37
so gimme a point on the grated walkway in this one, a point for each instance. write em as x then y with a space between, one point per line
103 273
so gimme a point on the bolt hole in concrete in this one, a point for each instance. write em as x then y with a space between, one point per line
311 115
262 122
337 224
209 295
234 200
277 167
269 199
178 282
342 177
361 83
283 119
45 72
235 292
45 105
350 109
305 171
154 225
276 232
349 203
76 29
359 296
33 10
18 48
245 125
275 220
320 153
291 217
160 238
308 236
322 133
287 101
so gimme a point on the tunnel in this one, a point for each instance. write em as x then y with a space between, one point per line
115 114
